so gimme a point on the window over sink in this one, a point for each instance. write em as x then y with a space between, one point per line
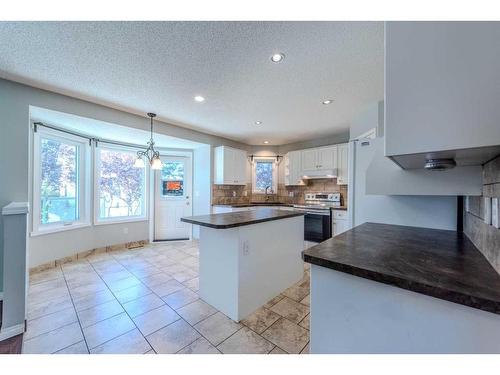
264 175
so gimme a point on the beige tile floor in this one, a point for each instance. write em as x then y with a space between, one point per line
146 301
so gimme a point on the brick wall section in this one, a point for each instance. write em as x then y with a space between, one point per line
485 237
234 194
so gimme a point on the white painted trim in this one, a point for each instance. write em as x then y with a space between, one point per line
7 333
83 180
16 208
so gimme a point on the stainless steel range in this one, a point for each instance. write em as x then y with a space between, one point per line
318 215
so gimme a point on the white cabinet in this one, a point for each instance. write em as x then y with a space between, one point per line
309 159
319 159
230 166
339 222
293 168
342 163
327 157
442 91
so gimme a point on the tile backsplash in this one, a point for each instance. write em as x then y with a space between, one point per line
238 194
486 237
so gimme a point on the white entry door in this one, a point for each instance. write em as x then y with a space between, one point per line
173 198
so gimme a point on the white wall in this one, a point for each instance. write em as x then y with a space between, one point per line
422 211
371 117
49 247
15 100
202 184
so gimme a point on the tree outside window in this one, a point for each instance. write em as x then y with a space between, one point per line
121 186
264 176
58 181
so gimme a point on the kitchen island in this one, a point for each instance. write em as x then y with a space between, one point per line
381 288
249 257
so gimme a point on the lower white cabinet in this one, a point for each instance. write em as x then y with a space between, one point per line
339 222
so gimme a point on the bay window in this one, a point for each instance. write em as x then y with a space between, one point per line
60 181
119 186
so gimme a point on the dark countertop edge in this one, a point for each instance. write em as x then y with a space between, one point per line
240 224
413 286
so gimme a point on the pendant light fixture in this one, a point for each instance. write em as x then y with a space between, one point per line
150 153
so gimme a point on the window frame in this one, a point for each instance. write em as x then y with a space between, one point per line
274 186
97 194
83 181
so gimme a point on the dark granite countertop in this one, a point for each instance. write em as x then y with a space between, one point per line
238 219
439 263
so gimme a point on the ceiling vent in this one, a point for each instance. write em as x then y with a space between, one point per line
439 164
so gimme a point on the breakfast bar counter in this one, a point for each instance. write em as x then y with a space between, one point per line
381 288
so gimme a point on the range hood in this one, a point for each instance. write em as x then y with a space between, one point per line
462 157
384 177
316 174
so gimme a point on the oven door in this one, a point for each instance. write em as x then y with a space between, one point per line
317 227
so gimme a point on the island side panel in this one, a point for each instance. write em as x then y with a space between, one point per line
350 314
219 269
270 261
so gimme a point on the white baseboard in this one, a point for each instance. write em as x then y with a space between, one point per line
8 332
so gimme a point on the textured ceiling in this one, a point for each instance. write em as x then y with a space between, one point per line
160 66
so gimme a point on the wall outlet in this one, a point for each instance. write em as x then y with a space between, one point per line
234 193
125 230
495 211
290 194
246 248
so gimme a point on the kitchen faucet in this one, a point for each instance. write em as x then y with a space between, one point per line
267 194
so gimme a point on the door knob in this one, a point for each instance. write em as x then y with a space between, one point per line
187 196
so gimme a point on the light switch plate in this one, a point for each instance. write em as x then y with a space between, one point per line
487 210
495 211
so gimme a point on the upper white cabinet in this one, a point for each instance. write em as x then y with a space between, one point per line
230 166
320 159
342 163
442 91
293 168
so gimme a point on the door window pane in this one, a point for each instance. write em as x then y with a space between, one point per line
172 179
58 182
263 175
121 186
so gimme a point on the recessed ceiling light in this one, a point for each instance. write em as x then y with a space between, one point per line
328 101
199 98
277 57
266 142
258 122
